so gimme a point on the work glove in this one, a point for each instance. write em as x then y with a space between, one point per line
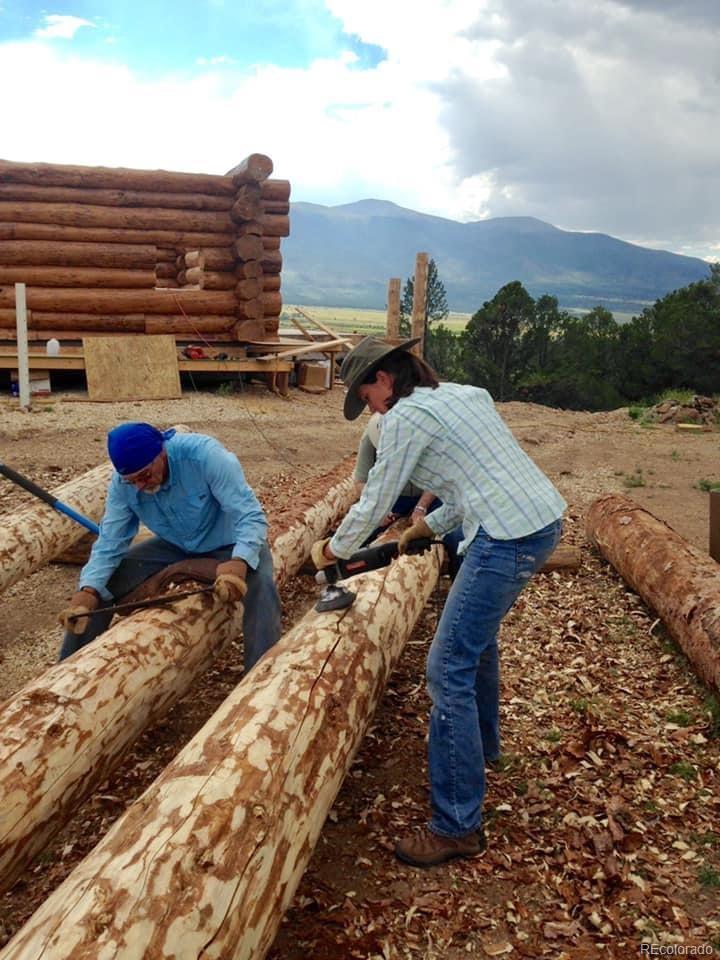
81 602
230 585
417 531
317 554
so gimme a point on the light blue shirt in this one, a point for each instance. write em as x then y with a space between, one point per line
452 441
205 503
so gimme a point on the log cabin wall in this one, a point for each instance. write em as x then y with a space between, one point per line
112 250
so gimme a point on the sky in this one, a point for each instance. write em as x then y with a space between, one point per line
593 115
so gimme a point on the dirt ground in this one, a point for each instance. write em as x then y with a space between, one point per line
602 822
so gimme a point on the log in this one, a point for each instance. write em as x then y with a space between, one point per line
48 231
207 860
122 301
250 227
271 284
115 178
255 167
680 582
81 322
167 283
248 248
249 331
271 243
148 218
271 303
248 203
210 279
565 556
281 207
249 270
78 277
113 198
218 258
271 261
46 253
181 323
166 254
274 225
249 289
166 271
86 712
249 309
272 326
191 259
275 190
31 537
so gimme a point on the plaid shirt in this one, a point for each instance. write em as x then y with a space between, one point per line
452 441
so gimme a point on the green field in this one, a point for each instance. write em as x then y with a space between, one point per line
356 319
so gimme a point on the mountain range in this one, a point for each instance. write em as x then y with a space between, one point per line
344 256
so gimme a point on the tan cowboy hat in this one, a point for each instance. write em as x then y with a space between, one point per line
359 363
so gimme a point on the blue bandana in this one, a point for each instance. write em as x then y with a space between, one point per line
133 446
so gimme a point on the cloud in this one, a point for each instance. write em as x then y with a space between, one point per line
61 27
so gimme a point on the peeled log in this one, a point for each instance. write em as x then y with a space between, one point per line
146 218
680 582
256 167
49 231
47 253
180 323
70 300
62 734
80 322
113 198
271 303
78 277
206 861
275 225
271 283
275 190
248 203
248 248
114 178
32 537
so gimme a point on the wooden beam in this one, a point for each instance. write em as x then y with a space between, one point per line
715 525
392 324
419 302
316 347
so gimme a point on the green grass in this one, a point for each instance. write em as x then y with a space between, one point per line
686 771
709 486
708 876
345 320
679 717
636 479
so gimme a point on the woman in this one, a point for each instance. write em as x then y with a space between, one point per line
449 438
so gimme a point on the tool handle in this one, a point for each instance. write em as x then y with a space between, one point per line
139 604
48 498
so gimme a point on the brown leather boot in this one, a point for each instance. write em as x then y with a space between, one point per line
427 849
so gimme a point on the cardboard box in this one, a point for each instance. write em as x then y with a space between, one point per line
313 374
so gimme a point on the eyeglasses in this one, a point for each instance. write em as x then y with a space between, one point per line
142 476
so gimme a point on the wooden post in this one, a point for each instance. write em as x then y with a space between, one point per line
715 525
392 325
22 346
419 301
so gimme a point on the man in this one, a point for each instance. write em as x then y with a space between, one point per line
192 494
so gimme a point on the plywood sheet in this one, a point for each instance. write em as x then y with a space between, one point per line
132 368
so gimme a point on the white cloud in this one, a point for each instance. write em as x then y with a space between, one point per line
61 27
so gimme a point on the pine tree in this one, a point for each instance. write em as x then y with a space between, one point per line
436 307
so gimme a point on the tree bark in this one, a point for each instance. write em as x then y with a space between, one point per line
33 536
47 253
78 277
122 301
680 582
205 863
113 198
256 167
85 712
147 218
117 178
189 239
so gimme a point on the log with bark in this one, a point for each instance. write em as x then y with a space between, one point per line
126 218
115 178
62 300
189 239
47 253
85 712
33 536
680 582
104 277
207 860
114 198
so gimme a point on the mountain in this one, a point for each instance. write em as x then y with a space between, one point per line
345 255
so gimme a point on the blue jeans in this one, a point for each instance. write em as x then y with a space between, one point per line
463 673
261 614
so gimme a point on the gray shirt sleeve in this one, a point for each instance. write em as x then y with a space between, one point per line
366 456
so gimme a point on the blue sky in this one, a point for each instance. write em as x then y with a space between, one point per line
591 114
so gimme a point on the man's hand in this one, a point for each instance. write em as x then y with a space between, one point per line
81 602
230 581
319 554
417 531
